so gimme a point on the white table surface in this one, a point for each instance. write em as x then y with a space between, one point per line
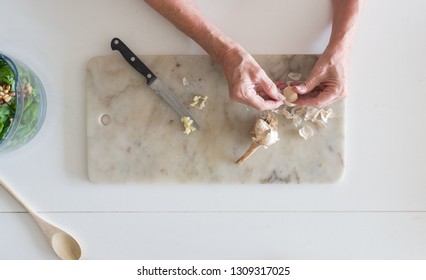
376 211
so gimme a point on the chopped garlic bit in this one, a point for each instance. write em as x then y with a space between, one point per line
306 132
295 76
185 82
187 124
199 102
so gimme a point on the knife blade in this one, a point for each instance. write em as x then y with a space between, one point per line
152 80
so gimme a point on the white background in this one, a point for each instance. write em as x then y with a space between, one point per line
376 212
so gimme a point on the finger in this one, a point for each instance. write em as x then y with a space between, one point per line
280 84
270 88
259 103
307 86
271 104
324 98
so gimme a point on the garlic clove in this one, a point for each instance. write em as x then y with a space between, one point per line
290 95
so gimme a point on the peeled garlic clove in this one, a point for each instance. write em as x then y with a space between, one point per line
306 132
290 95
289 104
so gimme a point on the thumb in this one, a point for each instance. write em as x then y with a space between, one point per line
306 86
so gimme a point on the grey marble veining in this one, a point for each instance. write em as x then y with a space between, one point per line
133 136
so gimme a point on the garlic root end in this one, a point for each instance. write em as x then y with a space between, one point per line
253 147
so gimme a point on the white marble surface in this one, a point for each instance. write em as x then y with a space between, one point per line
385 154
143 139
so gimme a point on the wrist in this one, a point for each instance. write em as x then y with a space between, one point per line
337 51
224 50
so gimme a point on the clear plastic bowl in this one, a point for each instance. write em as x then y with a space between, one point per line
22 117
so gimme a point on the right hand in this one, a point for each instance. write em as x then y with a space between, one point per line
327 81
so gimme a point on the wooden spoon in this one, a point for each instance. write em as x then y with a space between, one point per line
64 245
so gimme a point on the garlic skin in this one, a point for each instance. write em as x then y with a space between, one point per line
301 116
295 76
306 132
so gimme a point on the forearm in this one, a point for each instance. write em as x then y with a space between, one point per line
345 18
186 17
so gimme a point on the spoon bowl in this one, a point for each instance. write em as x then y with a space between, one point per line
64 244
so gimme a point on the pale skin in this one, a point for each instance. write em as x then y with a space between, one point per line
247 81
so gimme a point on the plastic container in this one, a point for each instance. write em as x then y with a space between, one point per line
22 104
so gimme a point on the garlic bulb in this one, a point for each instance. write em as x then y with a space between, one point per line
264 133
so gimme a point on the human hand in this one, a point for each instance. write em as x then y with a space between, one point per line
326 83
248 82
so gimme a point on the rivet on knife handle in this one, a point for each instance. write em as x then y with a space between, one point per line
117 44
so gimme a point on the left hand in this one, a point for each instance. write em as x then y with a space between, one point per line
248 82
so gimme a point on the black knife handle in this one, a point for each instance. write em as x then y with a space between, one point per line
132 59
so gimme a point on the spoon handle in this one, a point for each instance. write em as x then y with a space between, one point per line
18 198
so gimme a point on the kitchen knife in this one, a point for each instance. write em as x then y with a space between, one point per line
152 80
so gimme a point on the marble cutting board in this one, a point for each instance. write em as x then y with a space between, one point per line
133 136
